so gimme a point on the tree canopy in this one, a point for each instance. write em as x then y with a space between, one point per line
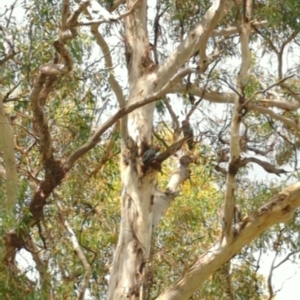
148 149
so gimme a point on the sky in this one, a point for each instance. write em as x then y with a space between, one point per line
286 279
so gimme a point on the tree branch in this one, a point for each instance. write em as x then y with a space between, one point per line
265 165
288 122
106 16
11 53
162 201
239 100
7 145
282 104
94 139
205 94
279 210
107 154
108 65
111 78
280 53
39 93
56 173
79 253
176 125
231 30
196 40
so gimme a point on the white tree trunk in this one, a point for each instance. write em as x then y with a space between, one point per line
128 275
139 198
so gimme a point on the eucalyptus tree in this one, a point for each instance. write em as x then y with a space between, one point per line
211 61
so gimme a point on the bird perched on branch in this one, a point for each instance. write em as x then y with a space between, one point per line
150 154
188 133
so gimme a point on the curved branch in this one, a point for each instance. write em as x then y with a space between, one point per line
111 78
9 172
94 139
78 251
109 66
196 40
234 30
280 53
39 93
269 281
239 102
288 122
279 210
206 94
286 259
162 201
282 104
176 125
265 165
106 15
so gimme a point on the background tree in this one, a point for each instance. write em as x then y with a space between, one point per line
194 218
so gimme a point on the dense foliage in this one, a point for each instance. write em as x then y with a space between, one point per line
85 207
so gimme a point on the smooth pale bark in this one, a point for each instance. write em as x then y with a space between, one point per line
139 198
279 210
7 146
195 40
8 171
128 274
239 101
142 204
